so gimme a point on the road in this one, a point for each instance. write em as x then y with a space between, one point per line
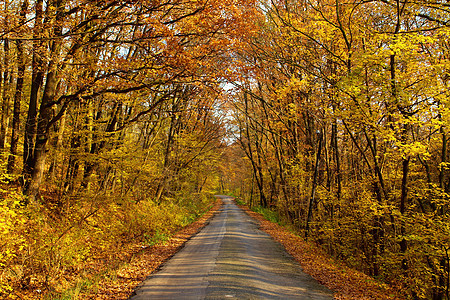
231 258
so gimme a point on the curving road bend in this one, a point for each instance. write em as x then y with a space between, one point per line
231 258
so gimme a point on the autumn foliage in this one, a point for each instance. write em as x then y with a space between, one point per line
118 118
342 118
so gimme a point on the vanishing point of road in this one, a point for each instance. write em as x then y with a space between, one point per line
231 258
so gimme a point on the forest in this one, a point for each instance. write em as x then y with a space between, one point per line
119 119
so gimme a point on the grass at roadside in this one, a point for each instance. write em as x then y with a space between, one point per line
239 201
268 214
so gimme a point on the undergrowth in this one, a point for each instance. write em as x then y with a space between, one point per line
57 249
239 201
268 214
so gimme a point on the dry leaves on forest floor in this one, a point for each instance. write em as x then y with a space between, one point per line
346 283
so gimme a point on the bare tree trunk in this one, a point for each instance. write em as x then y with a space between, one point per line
59 143
40 155
313 189
403 200
17 96
163 181
7 81
17 99
36 83
337 160
45 115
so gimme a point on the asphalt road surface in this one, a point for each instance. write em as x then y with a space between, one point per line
231 258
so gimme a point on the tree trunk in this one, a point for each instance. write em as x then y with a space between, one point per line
45 115
403 200
17 99
36 83
40 154
7 82
163 181
262 195
313 189
57 159
17 96
338 162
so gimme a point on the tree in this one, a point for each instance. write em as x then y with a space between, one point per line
18 94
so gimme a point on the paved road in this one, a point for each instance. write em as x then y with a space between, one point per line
231 258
